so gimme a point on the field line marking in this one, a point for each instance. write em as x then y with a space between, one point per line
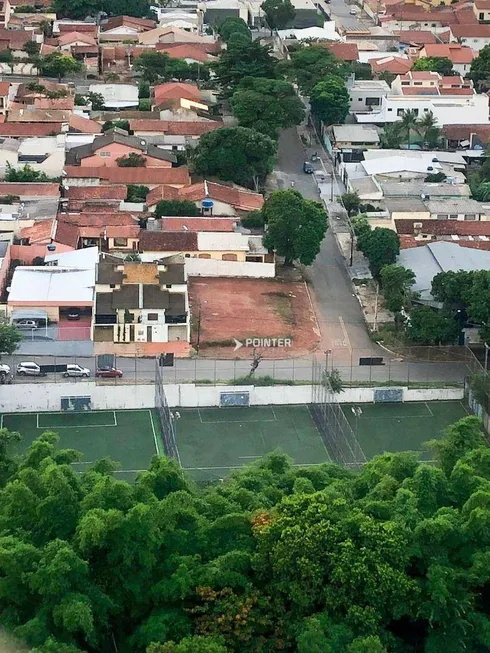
465 409
1 421
154 434
238 421
203 469
200 416
37 421
115 418
428 408
274 413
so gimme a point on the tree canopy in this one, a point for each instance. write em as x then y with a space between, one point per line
480 69
57 64
10 336
237 154
428 326
441 65
309 65
26 174
278 13
396 284
394 557
80 9
380 246
233 25
329 100
267 105
295 226
243 58
156 66
185 208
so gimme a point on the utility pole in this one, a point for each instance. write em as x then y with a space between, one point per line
487 347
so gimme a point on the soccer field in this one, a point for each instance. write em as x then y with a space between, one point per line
214 441
401 426
129 437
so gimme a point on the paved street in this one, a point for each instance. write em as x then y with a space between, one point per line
338 11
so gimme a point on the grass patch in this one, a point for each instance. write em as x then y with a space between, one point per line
282 304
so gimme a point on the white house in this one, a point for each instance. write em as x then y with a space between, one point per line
473 35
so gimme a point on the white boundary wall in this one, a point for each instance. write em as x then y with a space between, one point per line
47 397
210 267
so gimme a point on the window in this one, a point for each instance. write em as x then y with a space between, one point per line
481 16
433 24
105 154
426 109
359 99
400 112
417 83
168 285
373 101
120 242
229 257
152 317
416 112
112 285
441 216
453 216
470 216
405 83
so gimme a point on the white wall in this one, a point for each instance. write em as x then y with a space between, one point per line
25 397
200 267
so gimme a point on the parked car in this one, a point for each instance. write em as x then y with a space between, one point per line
353 10
26 324
76 370
4 369
29 369
73 314
108 372
308 168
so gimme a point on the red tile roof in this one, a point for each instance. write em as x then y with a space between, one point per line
29 129
419 90
456 91
140 24
415 36
198 224
41 232
457 53
167 241
211 47
4 89
240 199
29 190
112 192
122 218
66 233
420 75
187 51
471 31
172 90
74 26
392 64
84 125
152 176
110 231
344 51
482 5
63 103
444 227
175 127
74 37
463 132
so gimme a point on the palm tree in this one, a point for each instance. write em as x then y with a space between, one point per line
409 123
427 126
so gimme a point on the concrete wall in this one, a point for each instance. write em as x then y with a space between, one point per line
198 267
109 395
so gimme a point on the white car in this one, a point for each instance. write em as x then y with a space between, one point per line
26 324
4 369
353 10
29 369
76 370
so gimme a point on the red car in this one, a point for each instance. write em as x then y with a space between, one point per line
108 372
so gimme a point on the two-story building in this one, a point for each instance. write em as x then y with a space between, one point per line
475 36
140 304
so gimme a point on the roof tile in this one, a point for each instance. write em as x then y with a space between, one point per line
112 192
168 241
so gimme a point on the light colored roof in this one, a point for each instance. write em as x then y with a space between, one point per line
327 33
214 241
406 205
355 133
369 85
80 258
442 256
416 189
52 284
399 163
74 37
454 206
117 95
176 34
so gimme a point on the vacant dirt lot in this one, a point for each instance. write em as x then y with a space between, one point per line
251 308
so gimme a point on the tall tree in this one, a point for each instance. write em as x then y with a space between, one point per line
441 65
278 13
233 25
380 246
309 65
428 326
176 207
396 284
243 58
295 226
57 64
267 105
480 69
329 100
237 154
10 336
409 123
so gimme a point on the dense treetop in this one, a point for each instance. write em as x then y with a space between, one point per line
276 558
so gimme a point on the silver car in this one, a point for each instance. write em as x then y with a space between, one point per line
29 369
76 370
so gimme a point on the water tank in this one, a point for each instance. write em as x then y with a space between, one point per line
207 204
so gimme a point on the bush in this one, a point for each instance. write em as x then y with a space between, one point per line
254 220
144 104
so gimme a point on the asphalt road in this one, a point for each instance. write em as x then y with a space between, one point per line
338 11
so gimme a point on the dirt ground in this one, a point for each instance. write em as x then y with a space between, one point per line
251 308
